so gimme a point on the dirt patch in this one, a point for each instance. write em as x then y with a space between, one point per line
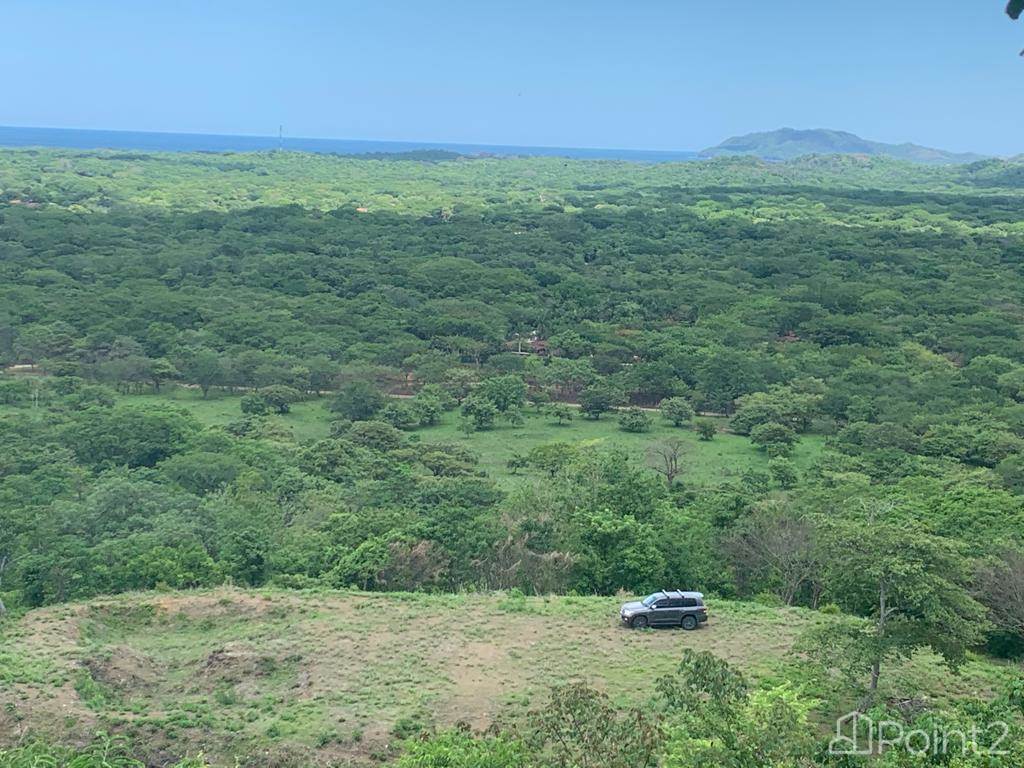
235 662
478 678
122 669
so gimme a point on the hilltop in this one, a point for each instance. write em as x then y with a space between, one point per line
344 675
790 143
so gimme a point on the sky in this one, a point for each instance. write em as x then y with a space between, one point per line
636 74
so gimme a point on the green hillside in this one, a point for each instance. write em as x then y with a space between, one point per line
480 388
789 143
345 676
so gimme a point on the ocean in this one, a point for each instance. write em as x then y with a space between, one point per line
74 138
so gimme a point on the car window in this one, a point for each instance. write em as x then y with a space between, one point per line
676 603
650 600
662 604
691 602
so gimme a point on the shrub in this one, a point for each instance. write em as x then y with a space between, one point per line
599 398
279 397
254 405
400 416
677 410
635 420
376 435
481 413
456 749
705 428
783 472
776 439
358 401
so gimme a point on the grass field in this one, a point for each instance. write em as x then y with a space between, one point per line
344 675
705 462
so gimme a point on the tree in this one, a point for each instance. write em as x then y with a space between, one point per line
795 406
551 457
516 462
201 472
515 417
204 369
1011 472
561 412
400 415
538 398
663 457
459 382
129 435
358 401
783 472
580 728
480 411
1000 586
505 392
775 550
254 405
160 370
1014 8
599 398
617 552
375 435
677 410
635 420
715 719
427 409
279 397
245 555
910 585
775 439
705 428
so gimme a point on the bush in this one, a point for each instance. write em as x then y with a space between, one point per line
776 439
358 401
376 435
456 749
400 416
254 405
783 472
599 398
481 413
677 410
705 428
279 397
635 420
561 413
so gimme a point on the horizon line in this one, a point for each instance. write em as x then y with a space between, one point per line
286 137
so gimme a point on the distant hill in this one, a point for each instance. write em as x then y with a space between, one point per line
789 143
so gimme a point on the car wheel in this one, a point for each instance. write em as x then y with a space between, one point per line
690 622
640 622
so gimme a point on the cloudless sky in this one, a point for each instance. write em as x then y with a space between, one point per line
644 74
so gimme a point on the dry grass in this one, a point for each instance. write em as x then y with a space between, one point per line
341 676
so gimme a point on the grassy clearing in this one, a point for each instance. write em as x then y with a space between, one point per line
344 675
308 420
705 462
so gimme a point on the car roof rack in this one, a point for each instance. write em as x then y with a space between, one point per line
678 594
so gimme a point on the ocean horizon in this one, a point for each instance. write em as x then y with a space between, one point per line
151 141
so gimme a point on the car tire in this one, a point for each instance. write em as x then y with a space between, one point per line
640 622
690 622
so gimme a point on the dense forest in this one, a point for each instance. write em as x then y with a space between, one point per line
872 305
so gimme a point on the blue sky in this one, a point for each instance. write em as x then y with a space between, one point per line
645 74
